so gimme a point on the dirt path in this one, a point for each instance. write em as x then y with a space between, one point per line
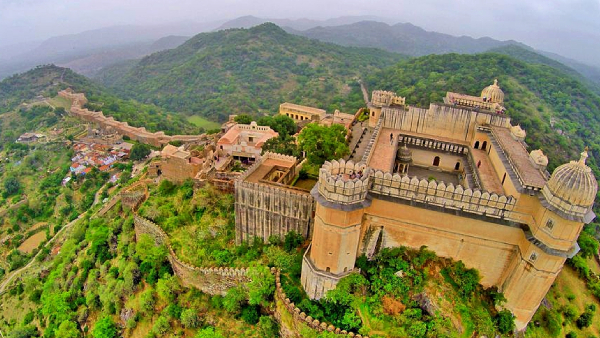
364 91
16 273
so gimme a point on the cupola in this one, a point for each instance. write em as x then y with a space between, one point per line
493 93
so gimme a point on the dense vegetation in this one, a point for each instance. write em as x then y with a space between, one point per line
559 113
246 71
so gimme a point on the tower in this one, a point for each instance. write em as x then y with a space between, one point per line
341 197
559 212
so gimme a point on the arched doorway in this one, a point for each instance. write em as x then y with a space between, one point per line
436 161
457 166
484 145
476 145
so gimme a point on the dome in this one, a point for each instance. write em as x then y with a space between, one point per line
404 154
572 187
493 93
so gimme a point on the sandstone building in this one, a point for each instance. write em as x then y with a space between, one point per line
457 178
301 113
244 141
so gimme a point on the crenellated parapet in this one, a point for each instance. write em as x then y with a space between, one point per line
299 317
439 194
210 280
344 182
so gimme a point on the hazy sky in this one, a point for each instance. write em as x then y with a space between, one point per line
567 27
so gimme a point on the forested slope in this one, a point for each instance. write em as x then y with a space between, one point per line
250 70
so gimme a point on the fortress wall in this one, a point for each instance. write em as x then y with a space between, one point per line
157 139
440 121
213 281
263 210
488 247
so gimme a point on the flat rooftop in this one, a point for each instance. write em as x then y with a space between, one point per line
266 167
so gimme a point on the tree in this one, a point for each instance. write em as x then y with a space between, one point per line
588 244
232 302
189 318
147 301
139 151
262 285
11 186
505 321
209 332
243 119
105 328
161 326
282 144
323 143
282 124
67 329
167 288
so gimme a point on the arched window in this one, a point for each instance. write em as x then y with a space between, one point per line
476 145
328 269
484 145
436 161
457 166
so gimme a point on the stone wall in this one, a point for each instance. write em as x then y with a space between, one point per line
132 197
156 139
270 209
292 319
213 281
263 210
217 281
441 120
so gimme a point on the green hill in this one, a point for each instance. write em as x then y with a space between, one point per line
559 113
23 95
250 70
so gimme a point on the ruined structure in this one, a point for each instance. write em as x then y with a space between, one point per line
244 141
157 139
458 179
265 203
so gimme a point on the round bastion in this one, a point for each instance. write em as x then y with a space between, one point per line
344 182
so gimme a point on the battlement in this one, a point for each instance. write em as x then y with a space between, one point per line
344 182
439 194
156 139
383 98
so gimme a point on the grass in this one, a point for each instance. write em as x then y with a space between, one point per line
568 283
199 121
59 101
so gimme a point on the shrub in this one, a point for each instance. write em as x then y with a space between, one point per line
189 318
505 321
250 314
585 320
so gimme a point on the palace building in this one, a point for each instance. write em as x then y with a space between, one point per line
457 178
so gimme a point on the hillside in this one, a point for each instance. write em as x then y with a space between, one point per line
245 71
39 86
559 113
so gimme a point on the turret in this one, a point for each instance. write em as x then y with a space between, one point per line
341 197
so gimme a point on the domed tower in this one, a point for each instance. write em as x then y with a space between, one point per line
493 93
558 213
571 190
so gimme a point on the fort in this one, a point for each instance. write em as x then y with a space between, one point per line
156 139
456 177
